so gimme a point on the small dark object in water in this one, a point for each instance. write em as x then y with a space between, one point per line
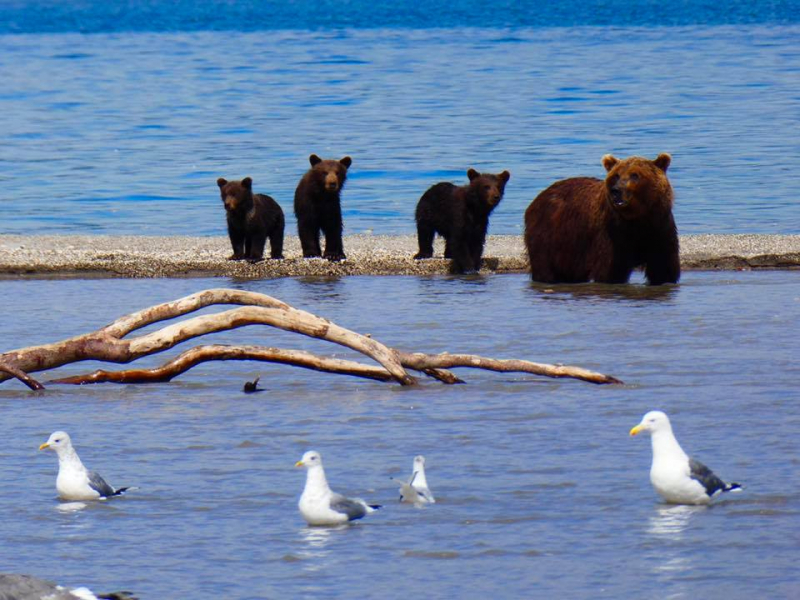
252 386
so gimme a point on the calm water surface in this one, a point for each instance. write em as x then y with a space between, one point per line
127 131
541 492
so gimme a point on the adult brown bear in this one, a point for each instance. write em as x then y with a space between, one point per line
587 229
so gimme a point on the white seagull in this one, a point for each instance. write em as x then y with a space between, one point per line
415 490
676 477
74 481
319 505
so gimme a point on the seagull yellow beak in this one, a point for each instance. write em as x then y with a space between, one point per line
637 429
299 463
43 446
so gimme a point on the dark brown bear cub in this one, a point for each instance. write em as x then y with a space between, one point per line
587 229
461 216
317 207
252 218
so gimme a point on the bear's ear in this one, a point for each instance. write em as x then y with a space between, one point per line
314 160
222 182
247 182
662 161
472 174
609 162
346 161
504 177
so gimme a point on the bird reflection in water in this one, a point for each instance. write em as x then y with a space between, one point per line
316 541
672 520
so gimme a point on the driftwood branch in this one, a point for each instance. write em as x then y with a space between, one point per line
22 376
108 345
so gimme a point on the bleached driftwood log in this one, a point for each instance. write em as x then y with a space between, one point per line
108 345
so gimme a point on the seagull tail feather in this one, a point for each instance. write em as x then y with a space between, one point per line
733 487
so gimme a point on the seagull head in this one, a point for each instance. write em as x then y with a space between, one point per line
312 458
419 462
652 422
57 441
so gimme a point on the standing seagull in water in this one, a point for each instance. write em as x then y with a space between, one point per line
415 490
319 505
74 481
676 477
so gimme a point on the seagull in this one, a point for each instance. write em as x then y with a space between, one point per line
676 477
319 505
415 490
74 481
25 587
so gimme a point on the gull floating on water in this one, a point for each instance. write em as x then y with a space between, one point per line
74 481
415 490
676 477
319 505
25 587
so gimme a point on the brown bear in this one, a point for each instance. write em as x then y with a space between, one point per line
317 207
252 218
461 216
587 229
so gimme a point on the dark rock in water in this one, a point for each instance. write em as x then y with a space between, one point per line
252 386
25 587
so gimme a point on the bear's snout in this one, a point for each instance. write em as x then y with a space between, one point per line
331 182
617 198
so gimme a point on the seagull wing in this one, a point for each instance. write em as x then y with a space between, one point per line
354 509
699 472
99 485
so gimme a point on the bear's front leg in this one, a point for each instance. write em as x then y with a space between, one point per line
462 261
309 239
237 243
254 247
334 247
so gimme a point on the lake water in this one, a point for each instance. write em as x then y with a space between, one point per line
540 490
118 118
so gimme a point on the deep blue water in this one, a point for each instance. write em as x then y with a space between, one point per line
119 117
92 16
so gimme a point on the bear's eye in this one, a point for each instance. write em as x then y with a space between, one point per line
634 177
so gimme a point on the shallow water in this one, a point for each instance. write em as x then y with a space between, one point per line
127 131
540 490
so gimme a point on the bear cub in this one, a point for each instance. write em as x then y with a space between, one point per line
252 218
317 206
588 229
461 216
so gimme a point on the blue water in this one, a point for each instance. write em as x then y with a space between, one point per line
119 117
91 16
540 490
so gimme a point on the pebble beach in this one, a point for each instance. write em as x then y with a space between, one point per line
180 256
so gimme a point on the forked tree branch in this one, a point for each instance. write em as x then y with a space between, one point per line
108 345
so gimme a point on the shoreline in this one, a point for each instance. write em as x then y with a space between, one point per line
55 256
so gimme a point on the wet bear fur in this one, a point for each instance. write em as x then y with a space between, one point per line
461 216
317 206
587 229
252 218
